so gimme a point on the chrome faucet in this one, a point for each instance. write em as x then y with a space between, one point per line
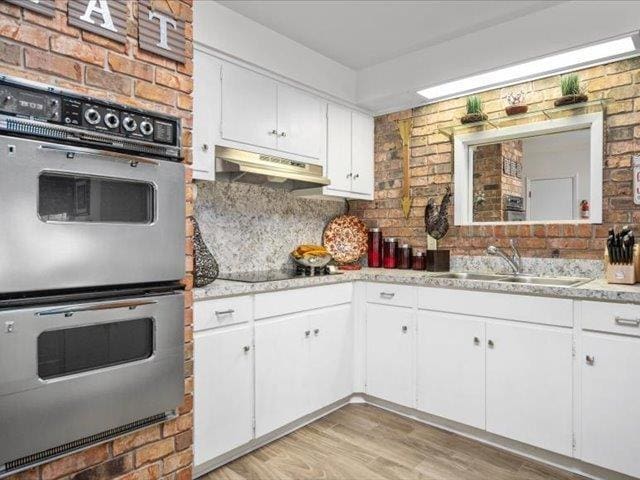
514 261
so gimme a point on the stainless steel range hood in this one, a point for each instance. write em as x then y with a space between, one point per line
247 167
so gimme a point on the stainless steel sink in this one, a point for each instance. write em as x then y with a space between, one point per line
524 279
471 276
552 282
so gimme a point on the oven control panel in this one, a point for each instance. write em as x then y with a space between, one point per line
77 115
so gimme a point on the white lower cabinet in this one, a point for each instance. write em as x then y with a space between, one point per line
529 384
390 336
610 367
303 363
451 367
223 393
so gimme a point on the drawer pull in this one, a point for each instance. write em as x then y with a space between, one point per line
590 359
220 313
628 322
476 341
246 348
307 333
387 295
404 329
316 331
491 344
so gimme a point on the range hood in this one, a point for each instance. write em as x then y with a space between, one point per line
247 167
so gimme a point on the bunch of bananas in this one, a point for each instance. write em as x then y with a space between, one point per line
306 251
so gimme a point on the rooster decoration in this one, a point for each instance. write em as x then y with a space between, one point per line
437 222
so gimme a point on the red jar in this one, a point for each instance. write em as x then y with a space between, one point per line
374 258
390 253
419 261
404 256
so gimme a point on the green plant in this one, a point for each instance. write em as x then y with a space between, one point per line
474 105
570 85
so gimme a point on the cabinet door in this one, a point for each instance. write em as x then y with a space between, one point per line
223 399
362 153
206 114
529 384
389 343
339 148
249 102
299 122
282 367
331 364
451 367
610 407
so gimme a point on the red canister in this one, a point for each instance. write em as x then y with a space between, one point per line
374 258
404 256
390 251
419 260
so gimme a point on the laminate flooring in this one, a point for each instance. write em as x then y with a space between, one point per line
362 442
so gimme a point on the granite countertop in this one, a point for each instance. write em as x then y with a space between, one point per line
596 289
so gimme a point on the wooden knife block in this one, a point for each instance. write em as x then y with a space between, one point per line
623 274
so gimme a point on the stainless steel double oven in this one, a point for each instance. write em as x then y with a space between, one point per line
92 229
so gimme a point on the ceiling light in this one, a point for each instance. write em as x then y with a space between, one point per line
550 65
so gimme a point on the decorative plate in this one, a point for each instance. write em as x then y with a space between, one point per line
345 237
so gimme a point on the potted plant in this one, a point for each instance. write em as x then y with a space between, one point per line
571 92
516 104
474 110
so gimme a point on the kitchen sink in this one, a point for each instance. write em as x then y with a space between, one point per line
551 282
524 279
471 276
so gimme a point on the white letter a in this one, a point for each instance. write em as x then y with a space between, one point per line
103 9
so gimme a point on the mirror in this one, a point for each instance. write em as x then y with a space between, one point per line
548 172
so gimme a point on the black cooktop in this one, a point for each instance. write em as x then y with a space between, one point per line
274 275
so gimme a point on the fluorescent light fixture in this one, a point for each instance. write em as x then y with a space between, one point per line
550 65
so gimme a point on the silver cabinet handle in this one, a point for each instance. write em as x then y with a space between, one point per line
307 333
490 343
590 359
387 294
71 152
476 341
67 312
246 349
349 175
273 132
283 134
220 313
356 176
205 147
404 329
316 331
628 322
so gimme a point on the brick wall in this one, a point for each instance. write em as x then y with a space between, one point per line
48 50
432 168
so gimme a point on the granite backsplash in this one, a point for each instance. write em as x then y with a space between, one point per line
252 228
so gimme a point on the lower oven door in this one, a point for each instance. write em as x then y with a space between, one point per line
75 217
72 371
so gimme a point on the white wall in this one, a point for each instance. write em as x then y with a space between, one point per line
391 86
559 155
228 32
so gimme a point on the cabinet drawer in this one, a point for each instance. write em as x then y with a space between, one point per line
523 308
221 312
622 318
390 294
291 301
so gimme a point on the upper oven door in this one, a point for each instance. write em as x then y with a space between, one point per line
75 217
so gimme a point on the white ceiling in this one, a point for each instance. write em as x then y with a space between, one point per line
363 33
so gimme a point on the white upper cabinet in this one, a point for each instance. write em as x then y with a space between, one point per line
249 102
300 119
529 384
206 113
349 153
362 153
339 147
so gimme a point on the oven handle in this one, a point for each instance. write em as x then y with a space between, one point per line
67 312
133 160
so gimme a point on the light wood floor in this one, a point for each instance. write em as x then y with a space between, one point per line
362 442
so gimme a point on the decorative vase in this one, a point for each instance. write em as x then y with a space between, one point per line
205 268
516 109
570 99
474 117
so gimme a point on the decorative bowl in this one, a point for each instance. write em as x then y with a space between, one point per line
318 261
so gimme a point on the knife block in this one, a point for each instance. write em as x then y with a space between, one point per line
621 273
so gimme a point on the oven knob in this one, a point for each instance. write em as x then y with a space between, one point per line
146 127
92 116
8 98
111 120
129 124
